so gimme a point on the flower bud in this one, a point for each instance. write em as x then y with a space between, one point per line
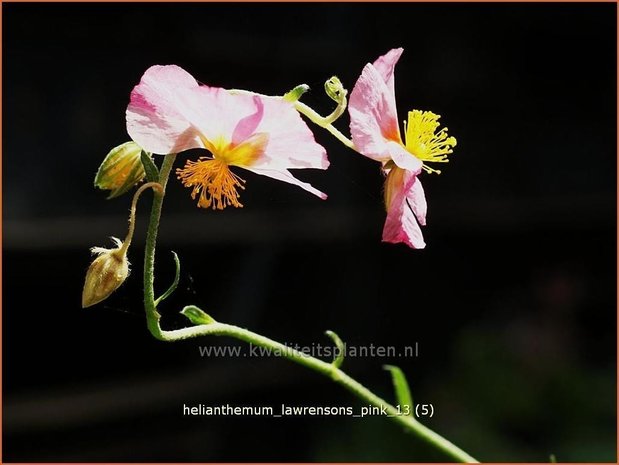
335 90
105 274
121 169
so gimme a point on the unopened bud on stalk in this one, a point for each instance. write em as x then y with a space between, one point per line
105 274
335 90
110 269
121 169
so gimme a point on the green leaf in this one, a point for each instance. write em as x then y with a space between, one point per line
174 284
402 392
197 316
553 458
339 359
120 170
296 93
152 173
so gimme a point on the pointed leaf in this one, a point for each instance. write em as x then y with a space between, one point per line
341 349
402 392
296 93
197 316
152 173
174 284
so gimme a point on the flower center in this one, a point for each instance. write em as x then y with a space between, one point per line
211 178
424 142
213 182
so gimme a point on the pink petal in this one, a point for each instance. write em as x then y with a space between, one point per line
220 113
286 176
291 143
385 65
403 158
169 111
155 120
401 224
373 115
247 125
417 201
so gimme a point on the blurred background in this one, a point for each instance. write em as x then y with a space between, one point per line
512 303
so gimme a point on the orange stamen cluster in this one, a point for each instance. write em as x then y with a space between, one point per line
213 182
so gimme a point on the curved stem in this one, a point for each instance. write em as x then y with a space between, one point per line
315 118
409 422
127 242
330 370
342 103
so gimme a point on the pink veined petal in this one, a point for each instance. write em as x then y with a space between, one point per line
403 158
385 65
155 117
170 112
222 113
417 200
286 176
291 143
246 127
373 115
401 224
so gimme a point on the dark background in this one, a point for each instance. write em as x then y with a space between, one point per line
512 302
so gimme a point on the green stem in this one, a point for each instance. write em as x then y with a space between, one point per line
409 422
134 204
315 118
152 317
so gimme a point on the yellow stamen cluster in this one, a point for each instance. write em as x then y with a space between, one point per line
213 181
424 142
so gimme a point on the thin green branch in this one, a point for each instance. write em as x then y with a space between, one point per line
174 285
315 118
134 204
330 370
410 423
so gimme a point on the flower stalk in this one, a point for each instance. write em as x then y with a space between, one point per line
323 122
211 328
111 267
152 317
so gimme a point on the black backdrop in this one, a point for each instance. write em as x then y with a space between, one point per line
512 303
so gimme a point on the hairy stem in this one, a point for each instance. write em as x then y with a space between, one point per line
152 317
409 422
149 185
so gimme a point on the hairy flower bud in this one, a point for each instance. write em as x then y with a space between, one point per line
105 274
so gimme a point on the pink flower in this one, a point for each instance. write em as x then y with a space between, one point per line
376 134
170 112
